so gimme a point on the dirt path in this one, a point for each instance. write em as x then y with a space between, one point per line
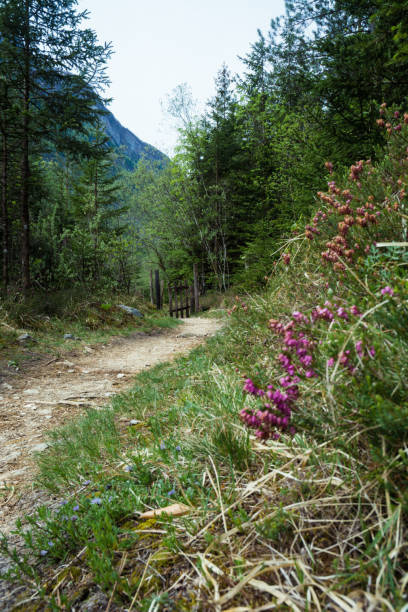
51 393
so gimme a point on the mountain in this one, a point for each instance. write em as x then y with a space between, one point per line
131 148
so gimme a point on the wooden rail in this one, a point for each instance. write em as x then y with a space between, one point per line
180 303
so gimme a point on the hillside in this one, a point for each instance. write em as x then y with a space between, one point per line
131 148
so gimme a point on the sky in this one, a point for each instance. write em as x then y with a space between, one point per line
160 44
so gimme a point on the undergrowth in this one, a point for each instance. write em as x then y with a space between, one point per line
48 317
311 519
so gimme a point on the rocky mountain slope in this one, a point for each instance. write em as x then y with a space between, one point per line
130 148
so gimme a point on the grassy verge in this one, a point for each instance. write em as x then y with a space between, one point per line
48 318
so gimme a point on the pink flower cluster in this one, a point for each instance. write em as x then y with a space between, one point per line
239 303
390 127
387 291
345 357
296 359
339 246
275 414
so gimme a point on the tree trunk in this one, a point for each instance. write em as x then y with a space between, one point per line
4 212
96 211
25 163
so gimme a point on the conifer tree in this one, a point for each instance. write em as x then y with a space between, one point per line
55 69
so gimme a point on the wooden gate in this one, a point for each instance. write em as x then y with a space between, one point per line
180 302
183 298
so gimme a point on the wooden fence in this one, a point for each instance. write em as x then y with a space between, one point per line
183 298
180 302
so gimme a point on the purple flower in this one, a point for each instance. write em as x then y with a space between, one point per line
371 351
128 468
355 311
86 483
310 373
387 290
359 348
96 501
64 502
342 314
75 508
178 448
306 360
162 446
330 362
74 518
172 492
299 317
43 553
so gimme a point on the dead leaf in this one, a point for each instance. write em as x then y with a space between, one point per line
173 510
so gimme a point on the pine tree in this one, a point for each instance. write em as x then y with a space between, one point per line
54 68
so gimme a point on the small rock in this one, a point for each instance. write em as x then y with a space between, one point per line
7 476
120 375
85 371
24 338
95 603
134 422
31 391
147 365
133 311
69 337
37 448
12 456
87 349
7 386
68 363
70 371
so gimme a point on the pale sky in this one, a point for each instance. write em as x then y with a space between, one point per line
160 44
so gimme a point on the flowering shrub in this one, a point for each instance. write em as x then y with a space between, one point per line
359 338
368 206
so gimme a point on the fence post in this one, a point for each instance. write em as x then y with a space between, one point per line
180 298
196 300
157 283
170 288
176 300
151 288
187 301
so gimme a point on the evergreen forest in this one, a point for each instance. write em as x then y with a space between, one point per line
245 173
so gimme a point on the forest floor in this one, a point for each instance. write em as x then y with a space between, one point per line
48 393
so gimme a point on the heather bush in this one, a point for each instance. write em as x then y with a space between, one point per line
348 345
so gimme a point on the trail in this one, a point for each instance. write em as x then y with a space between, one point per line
49 394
